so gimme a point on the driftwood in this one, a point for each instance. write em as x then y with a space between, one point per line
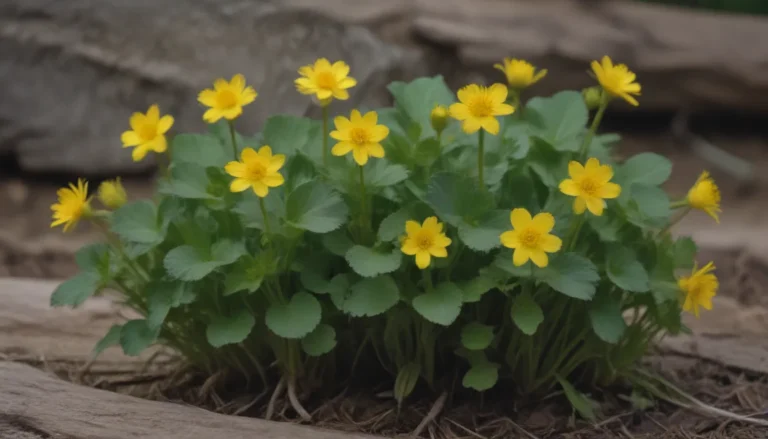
35 405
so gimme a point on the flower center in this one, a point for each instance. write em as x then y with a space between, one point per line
530 238
226 99
589 186
325 80
148 131
424 241
256 172
359 136
480 106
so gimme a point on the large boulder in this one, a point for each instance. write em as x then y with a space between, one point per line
73 71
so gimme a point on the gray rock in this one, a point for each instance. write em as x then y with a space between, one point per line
72 72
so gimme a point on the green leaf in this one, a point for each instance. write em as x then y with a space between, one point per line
549 165
368 262
320 341
582 404
526 313
315 274
418 97
94 258
457 200
570 274
299 170
76 290
372 296
407 378
187 181
646 168
481 376
296 318
187 263
338 242
162 295
648 206
517 139
476 336
625 270
338 289
137 222
137 335
558 120
504 262
475 288
427 152
224 330
199 149
685 252
314 206
246 275
112 338
484 234
605 314
380 173
442 305
606 226
393 226
286 134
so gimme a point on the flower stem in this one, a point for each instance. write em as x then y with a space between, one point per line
515 102
427 274
363 200
593 128
674 221
266 218
325 135
678 204
573 233
231 124
480 157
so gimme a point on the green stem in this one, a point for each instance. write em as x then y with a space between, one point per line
325 135
363 201
481 157
232 136
515 102
678 204
573 233
674 221
593 127
427 274
263 207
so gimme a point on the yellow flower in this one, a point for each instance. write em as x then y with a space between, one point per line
424 241
226 99
359 134
617 80
438 118
699 288
73 205
590 185
705 195
479 106
520 73
257 170
530 237
112 193
147 133
325 80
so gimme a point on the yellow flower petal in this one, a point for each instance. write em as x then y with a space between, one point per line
539 258
423 259
543 222
459 111
409 247
595 205
509 239
579 205
130 138
375 150
164 124
438 252
212 115
569 187
491 125
575 170
521 256
249 155
520 218
498 93
239 185
235 169
341 148
370 118
412 227
273 180
260 189
277 162
360 155
379 133
153 114
550 243
609 190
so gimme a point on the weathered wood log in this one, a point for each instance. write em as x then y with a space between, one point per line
683 57
35 403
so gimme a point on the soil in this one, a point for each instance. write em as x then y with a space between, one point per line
739 247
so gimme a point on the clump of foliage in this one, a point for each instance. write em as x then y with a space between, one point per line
484 238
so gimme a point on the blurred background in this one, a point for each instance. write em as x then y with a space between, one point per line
72 72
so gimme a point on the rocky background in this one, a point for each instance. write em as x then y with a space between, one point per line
71 72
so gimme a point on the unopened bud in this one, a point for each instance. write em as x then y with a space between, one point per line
439 118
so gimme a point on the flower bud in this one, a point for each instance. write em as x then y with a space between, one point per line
112 194
592 97
439 118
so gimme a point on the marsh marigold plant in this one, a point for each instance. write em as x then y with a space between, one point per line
426 250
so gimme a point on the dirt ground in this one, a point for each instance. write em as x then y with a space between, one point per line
739 247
